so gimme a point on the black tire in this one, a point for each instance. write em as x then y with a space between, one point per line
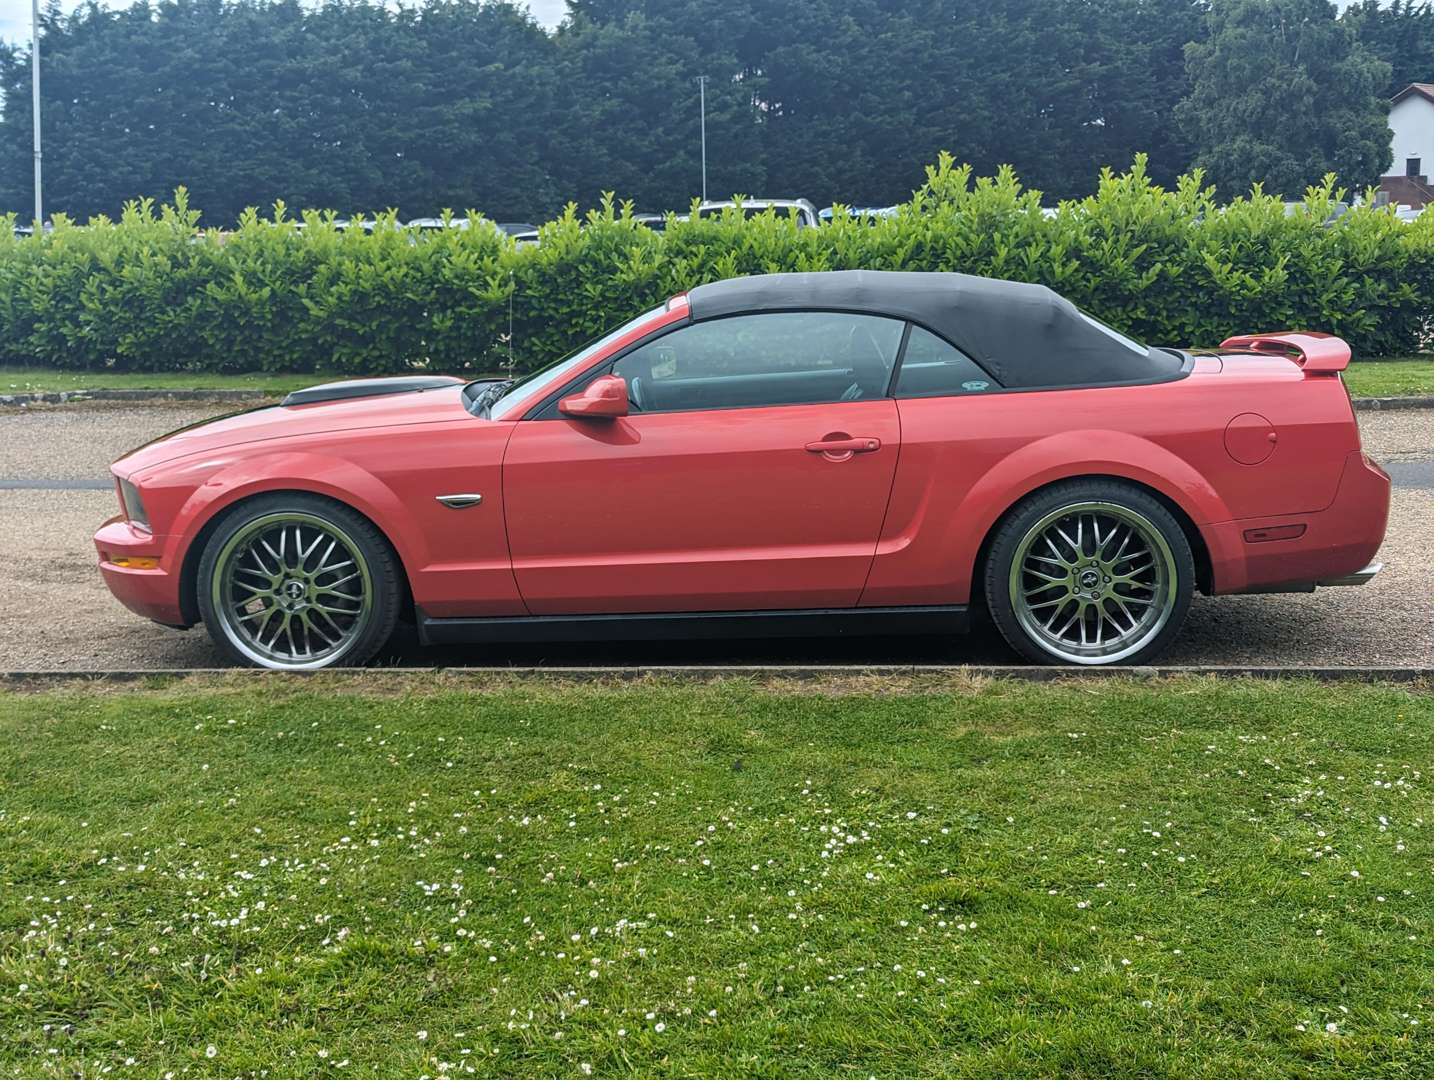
339 615
1068 590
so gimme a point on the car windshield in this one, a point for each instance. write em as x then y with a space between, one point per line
556 372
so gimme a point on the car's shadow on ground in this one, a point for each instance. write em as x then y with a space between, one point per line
983 645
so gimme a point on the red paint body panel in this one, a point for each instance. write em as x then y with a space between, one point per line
966 460
1337 541
457 563
745 509
269 424
703 511
151 593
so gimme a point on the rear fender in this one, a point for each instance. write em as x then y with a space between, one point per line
1067 456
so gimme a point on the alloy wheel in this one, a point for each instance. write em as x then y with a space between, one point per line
1093 582
292 590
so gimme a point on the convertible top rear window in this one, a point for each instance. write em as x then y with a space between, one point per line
1114 334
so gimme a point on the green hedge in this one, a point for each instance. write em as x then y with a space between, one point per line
152 293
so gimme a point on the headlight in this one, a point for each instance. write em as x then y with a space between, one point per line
133 506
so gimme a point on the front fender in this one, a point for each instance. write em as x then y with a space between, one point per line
212 490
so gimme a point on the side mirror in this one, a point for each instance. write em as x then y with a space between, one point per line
605 398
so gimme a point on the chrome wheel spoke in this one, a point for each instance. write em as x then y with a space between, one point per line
1047 559
1048 577
304 558
1069 542
313 628
327 618
1119 602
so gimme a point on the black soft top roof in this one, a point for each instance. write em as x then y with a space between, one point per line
1025 335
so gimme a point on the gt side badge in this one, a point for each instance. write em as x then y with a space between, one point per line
459 502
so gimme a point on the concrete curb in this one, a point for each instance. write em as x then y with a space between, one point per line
1412 402
64 397
705 673
140 397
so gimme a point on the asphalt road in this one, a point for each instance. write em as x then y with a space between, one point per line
58 615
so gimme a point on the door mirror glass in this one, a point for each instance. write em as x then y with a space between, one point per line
605 398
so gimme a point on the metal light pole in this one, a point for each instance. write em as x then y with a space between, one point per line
35 102
702 90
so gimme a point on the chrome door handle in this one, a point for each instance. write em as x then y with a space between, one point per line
459 502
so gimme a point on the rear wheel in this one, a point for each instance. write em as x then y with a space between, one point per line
1090 572
296 582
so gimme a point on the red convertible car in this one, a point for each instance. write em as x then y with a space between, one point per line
774 455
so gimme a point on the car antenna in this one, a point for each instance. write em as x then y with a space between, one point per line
511 364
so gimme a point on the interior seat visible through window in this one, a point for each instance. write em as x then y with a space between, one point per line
777 358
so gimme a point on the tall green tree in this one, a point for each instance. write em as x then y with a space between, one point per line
1281 93
348 106
1401 34
852 97
358 105
628 117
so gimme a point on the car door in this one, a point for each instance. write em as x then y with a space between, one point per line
752 473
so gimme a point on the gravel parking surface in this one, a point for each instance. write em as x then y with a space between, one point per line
58 614
78 442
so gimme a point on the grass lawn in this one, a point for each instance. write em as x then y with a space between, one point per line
15 380
870 878
1391 378
1366 378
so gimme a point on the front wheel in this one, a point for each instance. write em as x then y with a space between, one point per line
297 582
1090 572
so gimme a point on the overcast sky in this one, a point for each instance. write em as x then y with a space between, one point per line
15 17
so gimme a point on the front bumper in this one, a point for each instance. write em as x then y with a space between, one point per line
1336 546
153 593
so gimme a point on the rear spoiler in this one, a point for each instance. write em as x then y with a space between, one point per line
1313 352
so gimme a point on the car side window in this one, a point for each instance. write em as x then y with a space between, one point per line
933 367
776 358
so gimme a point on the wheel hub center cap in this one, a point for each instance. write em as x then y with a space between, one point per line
1089 579
294 592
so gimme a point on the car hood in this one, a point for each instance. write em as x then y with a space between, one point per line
269 423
